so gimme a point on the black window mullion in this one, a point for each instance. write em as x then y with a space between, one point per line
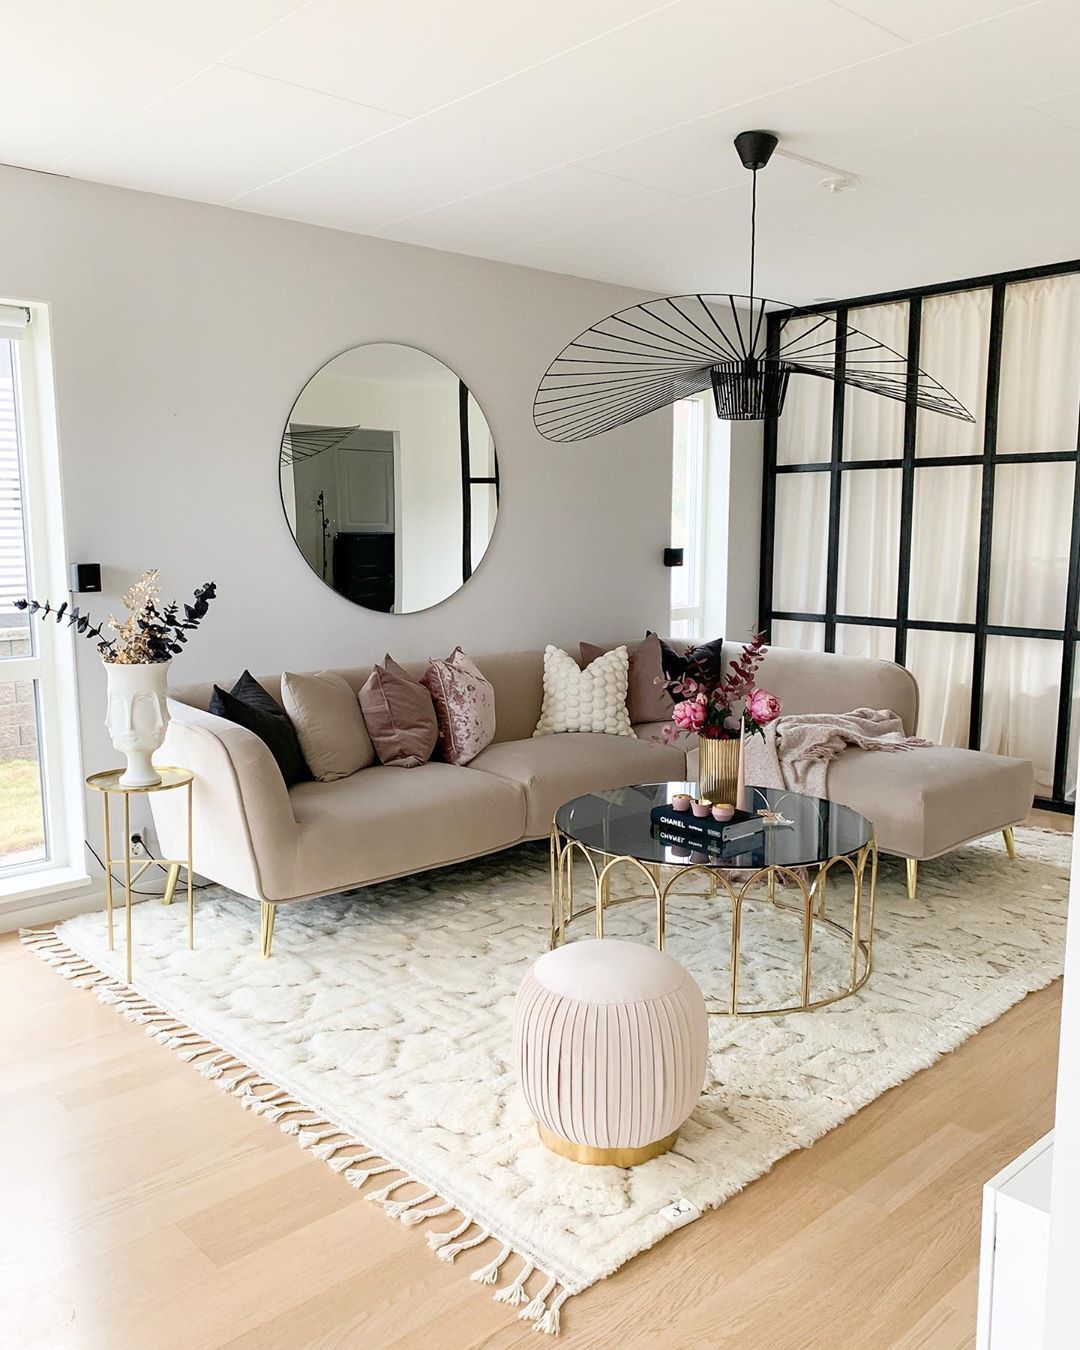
1068 647
907 485
832 575
768 499
986 524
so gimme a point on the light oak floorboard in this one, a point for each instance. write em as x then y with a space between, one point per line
144 1210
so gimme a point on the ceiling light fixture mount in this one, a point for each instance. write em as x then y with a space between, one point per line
651 355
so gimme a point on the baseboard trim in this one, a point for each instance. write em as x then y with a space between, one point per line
50 909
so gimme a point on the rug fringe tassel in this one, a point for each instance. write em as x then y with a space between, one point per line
319 1136
489 1274
514 1293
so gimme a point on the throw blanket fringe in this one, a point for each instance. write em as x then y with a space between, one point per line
795 752
321 1137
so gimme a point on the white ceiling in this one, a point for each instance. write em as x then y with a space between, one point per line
583 136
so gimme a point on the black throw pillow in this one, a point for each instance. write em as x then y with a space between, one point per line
249 705
703 661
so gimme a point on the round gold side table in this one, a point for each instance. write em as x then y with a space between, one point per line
108 783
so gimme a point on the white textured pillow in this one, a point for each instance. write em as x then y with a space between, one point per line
585 700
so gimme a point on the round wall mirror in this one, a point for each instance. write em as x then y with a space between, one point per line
389 478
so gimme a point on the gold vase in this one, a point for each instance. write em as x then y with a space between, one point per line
719 769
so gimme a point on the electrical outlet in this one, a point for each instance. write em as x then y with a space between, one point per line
138 849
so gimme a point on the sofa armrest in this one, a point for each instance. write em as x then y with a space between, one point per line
244 828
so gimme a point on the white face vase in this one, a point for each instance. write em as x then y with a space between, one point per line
136 718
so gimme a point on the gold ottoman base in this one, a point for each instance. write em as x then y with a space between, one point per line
605 1157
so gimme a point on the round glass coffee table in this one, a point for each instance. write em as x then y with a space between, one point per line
805 841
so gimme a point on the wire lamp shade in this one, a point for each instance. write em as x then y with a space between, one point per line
650 355
305 443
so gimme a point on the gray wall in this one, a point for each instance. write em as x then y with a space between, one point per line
182 333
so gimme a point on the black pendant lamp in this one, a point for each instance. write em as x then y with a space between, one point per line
651 355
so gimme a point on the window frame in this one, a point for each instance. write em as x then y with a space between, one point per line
51 663
1068 635
693 545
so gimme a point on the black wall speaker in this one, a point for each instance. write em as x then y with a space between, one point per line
86 577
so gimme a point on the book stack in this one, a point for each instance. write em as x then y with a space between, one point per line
684 829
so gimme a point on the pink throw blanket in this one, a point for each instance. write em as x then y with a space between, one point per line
796 751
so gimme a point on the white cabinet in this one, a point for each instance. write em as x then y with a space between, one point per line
1015 1242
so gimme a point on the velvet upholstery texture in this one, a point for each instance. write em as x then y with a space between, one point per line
464 706
646 699
249 705
611 1041
329 724
399 715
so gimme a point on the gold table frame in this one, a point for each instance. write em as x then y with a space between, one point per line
858 861
108 783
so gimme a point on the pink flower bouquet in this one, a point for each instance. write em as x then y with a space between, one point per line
721 708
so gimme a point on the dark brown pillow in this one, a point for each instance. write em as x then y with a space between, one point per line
400 716
646 701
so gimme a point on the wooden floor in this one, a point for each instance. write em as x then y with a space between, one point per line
141 1209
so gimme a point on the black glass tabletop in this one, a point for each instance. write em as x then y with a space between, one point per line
809 829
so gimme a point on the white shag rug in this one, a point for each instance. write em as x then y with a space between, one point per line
379 1034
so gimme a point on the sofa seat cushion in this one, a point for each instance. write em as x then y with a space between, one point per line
924 802
553 769
386 821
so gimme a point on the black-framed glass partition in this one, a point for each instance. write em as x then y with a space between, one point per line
952 548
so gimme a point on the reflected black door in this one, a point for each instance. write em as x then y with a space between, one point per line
364 569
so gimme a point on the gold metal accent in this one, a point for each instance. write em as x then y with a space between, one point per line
862 864
912 877
1010 842
604 1157
107 783
267 915
718 769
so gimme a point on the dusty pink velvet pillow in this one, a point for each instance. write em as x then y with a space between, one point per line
464 705
400 716
646 701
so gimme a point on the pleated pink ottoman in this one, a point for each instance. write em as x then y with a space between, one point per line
611 1041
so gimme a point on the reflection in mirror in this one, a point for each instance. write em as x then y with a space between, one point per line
389 478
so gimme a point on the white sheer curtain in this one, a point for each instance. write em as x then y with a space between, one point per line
1038 410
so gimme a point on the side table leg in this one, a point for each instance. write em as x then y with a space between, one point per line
127 879
190 884
108 872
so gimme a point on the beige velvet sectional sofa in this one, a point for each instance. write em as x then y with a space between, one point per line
278 845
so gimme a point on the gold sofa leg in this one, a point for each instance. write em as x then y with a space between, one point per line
267 914
912 877
1010 842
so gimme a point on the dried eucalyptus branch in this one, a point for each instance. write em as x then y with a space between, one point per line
148 635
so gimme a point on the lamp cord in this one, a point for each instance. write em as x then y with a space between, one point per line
753 234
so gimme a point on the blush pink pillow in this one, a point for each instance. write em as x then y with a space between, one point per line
464 705
400 716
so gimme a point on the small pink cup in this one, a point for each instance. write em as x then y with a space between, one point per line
700 809
723 811
680 802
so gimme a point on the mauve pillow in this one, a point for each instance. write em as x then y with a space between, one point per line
329 724
464 705
646 701
400 716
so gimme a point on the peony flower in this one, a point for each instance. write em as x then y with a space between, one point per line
763 707
689 715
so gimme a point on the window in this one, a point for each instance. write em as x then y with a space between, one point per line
687 518
40 801
951 548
